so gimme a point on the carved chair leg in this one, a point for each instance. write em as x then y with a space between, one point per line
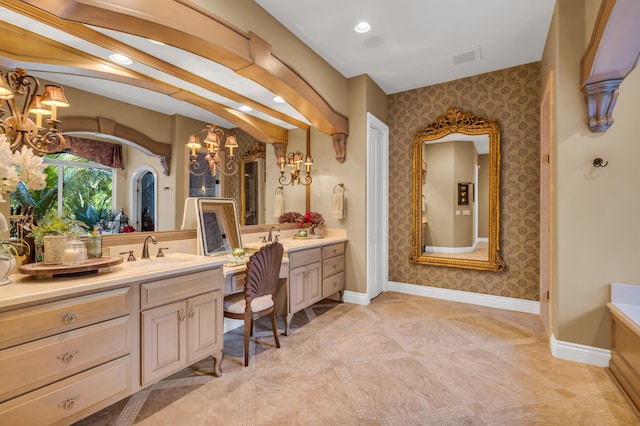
247 331
275 329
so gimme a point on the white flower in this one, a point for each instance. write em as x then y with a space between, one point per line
19 166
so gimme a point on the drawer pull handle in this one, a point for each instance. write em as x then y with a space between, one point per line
68 403
335 251
67 317
68 357
192 313
182 315
335 266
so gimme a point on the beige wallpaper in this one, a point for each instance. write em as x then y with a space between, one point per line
511 96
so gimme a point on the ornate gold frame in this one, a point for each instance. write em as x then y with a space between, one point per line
455 121
257 150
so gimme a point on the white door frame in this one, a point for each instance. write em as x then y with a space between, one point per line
377 206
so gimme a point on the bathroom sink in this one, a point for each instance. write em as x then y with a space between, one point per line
158 262
286 244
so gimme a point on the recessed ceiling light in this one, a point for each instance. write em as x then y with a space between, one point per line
278 99
120 59
245 108
156 42
362 27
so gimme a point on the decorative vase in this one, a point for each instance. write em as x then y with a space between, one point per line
54 246
7 265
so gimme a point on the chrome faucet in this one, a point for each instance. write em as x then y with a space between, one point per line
145 246
270 239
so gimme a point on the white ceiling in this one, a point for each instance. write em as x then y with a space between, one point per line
411 44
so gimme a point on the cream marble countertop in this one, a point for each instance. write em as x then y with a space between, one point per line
26 289
292 245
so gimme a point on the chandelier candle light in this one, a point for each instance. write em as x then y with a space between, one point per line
19 128
213 137
295 160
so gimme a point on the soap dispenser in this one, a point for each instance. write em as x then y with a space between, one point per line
94 245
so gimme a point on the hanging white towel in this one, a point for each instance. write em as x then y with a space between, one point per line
278 205
338 205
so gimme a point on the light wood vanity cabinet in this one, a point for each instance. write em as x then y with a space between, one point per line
182 322
55 357
333 270
66 358
314 274
305 285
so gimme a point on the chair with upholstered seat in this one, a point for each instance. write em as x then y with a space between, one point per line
259 296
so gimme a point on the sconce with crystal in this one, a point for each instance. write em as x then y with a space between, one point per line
213 137
295 161
18 127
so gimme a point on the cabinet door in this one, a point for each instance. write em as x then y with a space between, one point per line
164 341
297 289
204 328
314 283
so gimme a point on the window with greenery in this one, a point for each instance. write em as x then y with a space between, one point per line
76 187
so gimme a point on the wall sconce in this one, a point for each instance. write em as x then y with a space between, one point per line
212 137
18 127
294 160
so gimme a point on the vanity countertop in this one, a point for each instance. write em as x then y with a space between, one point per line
292 245
27 288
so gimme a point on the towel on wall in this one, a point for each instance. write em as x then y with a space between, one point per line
338 205
278 205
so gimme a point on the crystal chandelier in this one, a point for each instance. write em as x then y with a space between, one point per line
212 137
19 128
295 161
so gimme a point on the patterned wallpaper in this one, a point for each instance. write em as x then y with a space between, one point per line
512 97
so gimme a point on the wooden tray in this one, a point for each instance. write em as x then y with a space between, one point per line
88 265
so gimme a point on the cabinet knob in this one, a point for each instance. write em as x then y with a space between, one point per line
67 357
68 403
67 317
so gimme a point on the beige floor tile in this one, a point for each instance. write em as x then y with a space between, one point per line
403 360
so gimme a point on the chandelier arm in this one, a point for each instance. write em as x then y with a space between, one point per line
194 167
233 168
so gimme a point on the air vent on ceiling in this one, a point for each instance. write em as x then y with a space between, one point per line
467 56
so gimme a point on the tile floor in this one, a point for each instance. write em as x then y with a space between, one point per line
403 360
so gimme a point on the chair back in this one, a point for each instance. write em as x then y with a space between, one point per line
263 272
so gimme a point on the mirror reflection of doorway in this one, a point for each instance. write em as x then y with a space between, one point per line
144 200
147 202
254 192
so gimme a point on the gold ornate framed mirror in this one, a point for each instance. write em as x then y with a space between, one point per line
252 185
456 193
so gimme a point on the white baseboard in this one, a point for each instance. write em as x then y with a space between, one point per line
500 302
579 353
356 298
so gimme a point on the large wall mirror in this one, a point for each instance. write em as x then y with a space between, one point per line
456 190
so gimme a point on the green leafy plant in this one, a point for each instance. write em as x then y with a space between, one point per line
52 224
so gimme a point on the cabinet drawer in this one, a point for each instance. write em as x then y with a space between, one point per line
305 257
165 291
44 361
332 250
235 283
85 391
332 266
24 325
332 284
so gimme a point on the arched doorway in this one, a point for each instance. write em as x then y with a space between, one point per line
144 191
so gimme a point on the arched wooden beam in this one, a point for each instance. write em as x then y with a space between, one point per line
105 126
38 51
192 28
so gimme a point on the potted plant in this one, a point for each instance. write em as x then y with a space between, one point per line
51 235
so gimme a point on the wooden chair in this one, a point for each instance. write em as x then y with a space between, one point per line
259 296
